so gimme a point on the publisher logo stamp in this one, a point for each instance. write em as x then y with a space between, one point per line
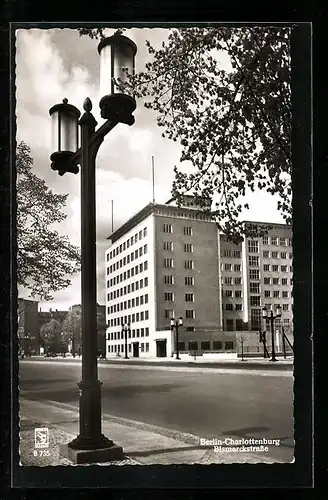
41 437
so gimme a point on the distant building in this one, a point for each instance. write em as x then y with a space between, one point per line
75 308
28 326
255 274
46 316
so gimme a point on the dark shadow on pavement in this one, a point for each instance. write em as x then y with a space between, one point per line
65 395
148 453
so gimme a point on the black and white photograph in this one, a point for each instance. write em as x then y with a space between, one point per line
154 245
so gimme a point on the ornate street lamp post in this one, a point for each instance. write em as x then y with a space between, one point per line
126 329
272 317
175 326
91 445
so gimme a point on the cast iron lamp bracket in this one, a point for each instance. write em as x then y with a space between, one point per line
70 162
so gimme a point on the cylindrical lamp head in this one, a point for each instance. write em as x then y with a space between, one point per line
64 118
278 311
65 136
180 321
264 312
172 322
117 54
117 58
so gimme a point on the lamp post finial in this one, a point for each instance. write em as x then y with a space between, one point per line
87 105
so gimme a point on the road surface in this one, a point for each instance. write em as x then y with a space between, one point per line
207 403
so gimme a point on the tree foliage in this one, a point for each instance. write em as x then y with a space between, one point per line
72 330
45 259
233 122
51 336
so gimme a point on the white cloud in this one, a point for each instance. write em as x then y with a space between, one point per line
57 63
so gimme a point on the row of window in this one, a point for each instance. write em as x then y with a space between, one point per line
120 292
276 294
187 230
169 280
233 307
230 267
228 280
131 318
231 253
275 268
169 263
134 333
255 287
169 297
275 241
128 258
119 348
143 266
205 345
254 301
238 324
276 281
254 274
128 304
189 314
233 293
183 346
169 245
276 255
284 307
126 244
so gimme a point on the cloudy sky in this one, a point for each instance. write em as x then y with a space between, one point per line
57 63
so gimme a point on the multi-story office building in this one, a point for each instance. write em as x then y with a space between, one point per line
169 261
232 285
163 263
263 268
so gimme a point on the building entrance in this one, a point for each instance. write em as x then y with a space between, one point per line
161 348
135 347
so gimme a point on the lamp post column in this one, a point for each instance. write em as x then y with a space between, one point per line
177 339
90 436
272 317
126 329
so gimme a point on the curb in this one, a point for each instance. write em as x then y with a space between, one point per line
252 365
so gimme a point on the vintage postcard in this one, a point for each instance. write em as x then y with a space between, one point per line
155 245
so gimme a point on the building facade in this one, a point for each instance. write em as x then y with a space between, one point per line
28 326
169 261
255 274
163 263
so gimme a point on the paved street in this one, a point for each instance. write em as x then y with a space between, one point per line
207 403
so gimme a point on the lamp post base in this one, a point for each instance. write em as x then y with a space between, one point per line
273 359
91 445
111 453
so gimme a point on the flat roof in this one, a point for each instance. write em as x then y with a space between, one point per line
151 207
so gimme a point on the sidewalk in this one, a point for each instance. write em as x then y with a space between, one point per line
248 363
143 444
